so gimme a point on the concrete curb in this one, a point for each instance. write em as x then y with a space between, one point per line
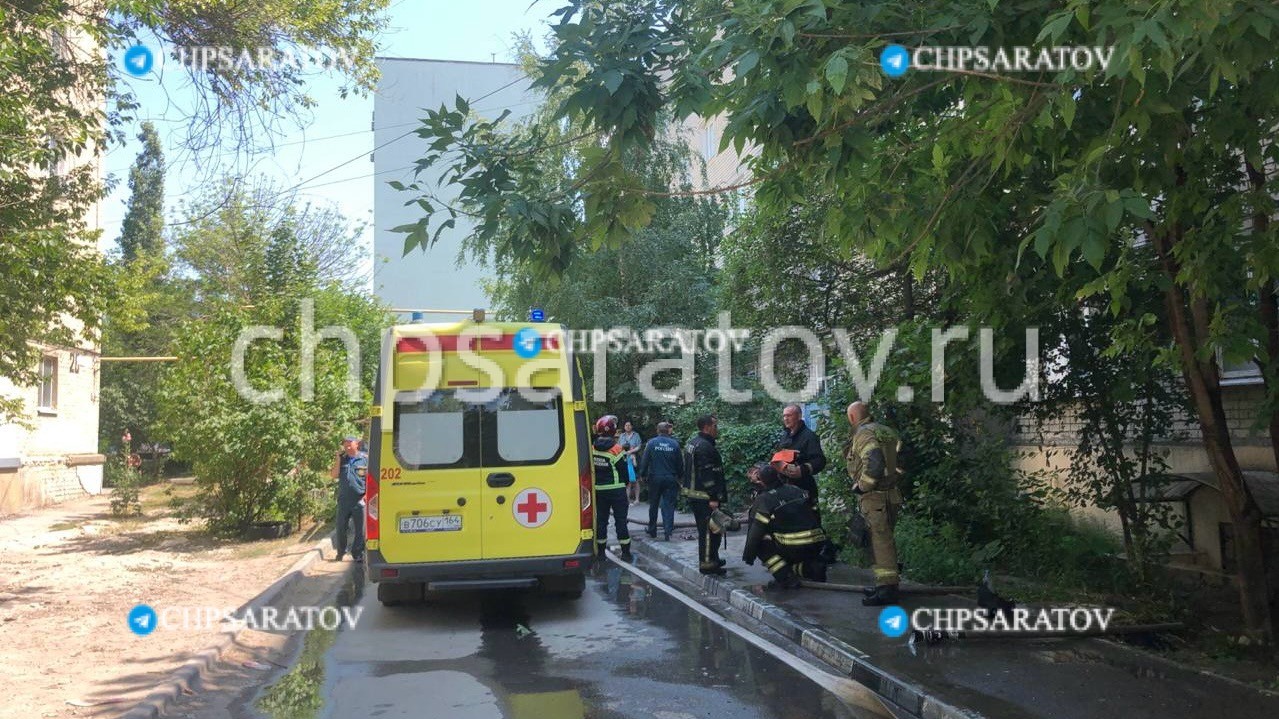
849 660
187 677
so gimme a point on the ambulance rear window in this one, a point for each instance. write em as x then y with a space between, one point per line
431 431
529 430
474 428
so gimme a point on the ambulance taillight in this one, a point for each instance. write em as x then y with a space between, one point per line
585 484
371 494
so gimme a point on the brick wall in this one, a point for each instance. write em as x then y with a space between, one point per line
1242 405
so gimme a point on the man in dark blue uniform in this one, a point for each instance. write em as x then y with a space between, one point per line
662 466
350 469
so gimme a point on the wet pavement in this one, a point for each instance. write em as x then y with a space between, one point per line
1048 679
622 650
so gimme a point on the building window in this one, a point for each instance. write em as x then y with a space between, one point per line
711 140
1233 373
48 383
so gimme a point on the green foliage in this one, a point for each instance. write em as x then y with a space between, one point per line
237 102
1123 401
1153 173
125 482
782 268
298 694
260 461
145 308
61 103
935 554
258 457
143 229
55 285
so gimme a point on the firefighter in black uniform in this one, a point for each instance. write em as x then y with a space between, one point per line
611 476
703 485
808 460
784 532
803 465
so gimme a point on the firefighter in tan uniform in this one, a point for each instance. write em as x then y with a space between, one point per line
872 469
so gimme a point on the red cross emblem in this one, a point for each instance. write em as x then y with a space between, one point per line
532 507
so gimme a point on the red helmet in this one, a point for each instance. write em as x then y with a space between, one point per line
606 425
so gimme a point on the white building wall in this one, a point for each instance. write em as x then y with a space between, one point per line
436 278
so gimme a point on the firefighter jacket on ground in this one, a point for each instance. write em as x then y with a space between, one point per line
703 470
609 460
810 458
781 515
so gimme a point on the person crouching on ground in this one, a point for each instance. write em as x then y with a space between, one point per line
785 532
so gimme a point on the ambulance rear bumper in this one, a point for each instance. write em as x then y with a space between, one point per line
480 573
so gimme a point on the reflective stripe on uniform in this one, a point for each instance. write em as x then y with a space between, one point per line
885 576
792 539
609 461
775 563
695 494
761 518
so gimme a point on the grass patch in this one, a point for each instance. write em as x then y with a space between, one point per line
297 694
63 526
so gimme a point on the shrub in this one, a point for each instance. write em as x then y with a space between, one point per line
263 461
939 554
126 485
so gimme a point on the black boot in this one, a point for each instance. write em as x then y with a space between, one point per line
711 568
626 554
814 570
787 581
884 595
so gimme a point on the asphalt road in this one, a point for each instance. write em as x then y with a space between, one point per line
622 650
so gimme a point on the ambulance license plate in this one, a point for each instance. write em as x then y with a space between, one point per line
435 523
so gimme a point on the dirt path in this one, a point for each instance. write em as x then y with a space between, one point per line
73 573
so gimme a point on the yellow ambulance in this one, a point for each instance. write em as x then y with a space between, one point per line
479 461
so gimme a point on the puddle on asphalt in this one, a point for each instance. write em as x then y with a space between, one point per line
538 656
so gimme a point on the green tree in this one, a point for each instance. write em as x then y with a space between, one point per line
259 457
62 103
146 305
1156 169
55 283
143 229
224 243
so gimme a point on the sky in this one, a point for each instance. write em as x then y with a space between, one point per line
327 158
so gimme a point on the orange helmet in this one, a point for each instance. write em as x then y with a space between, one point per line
606 425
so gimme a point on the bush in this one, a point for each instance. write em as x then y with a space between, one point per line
257 462
937 554
125 483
